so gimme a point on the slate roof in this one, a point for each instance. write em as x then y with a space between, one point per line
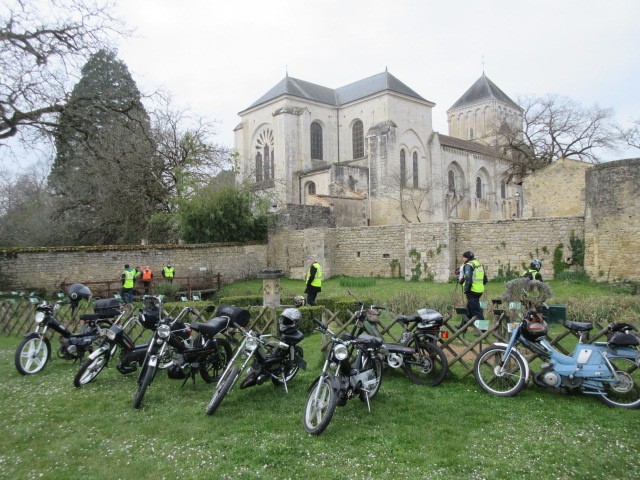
366 87
482 90
447 141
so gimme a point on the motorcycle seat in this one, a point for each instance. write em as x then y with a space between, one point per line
578 326
94 317
369 341
212 327
406 320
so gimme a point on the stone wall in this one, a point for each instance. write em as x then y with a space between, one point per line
557 190
299 217
47 268
612 221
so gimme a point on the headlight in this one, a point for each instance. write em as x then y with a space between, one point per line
39 317
164 331
340 352
250 344
111 335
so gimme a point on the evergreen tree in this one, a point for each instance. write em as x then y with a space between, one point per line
106 176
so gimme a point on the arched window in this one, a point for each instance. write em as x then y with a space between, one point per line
311 188
265 157
452 181
357 134
478 187
415 169
471 134
316 141
403 168
503 189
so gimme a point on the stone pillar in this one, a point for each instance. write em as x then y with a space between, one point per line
271 286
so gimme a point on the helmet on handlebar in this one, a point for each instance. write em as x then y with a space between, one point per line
534 327
299 301
535 264
289 320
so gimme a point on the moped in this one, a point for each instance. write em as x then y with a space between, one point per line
34 352
609 370
342 378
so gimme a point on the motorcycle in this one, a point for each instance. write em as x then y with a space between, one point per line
131 355
278 360
609 370
34 352
206 354
342 379
417 353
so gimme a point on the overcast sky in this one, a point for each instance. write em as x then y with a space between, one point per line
219 56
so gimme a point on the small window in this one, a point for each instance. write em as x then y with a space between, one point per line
415 169
403 169
452 181
471 134
357 133
478 187
386 255
258 167
503 189
316 141
311 188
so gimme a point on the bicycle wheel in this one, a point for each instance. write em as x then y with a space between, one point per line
32 354
625 391
212 366
142 386
290 368
502 380
90 370
428 366
223 387
321 403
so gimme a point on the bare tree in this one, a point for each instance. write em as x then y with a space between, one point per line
631 135
186 147
557 127
43 43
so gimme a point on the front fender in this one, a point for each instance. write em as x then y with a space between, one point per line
100 351
527 370
335 383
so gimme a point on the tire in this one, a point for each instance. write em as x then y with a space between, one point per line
32 355
143 385
292 368
223 387
429 366
505 383
377 367
625 392
212 366
321 403
90 370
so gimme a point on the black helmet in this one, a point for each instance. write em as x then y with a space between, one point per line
535 264
533 326
468 255
289 320
78 291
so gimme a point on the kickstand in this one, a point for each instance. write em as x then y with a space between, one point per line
366 395
284 382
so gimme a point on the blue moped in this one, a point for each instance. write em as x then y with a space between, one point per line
609 370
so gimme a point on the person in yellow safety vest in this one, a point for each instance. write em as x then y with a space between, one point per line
169 272
313 281
473 281
128 278
147 275
533 273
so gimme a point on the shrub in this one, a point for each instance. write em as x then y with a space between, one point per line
357 282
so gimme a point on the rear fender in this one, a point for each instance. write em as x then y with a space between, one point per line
515 351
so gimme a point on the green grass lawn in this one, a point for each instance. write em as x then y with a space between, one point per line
52 430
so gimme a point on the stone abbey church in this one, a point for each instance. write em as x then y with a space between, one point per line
369 152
